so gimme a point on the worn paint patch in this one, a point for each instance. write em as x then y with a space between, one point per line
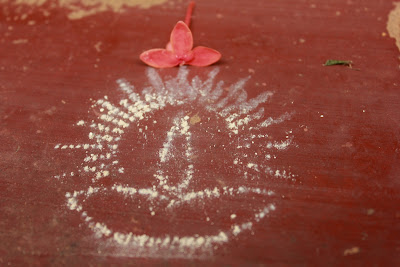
237 124
351 251
393 24
83 8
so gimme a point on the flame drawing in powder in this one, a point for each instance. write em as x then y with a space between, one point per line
213 149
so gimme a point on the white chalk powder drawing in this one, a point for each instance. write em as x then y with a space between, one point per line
227 111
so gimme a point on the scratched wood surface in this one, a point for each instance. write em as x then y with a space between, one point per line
318 185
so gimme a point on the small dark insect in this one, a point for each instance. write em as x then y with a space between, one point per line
331 62
348 63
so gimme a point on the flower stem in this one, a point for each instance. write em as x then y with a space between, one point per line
189 12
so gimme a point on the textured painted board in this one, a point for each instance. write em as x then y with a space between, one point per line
267 157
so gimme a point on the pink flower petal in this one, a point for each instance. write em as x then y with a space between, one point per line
169 47
181 39
159 58
204 56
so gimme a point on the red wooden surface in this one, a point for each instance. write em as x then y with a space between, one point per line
341 205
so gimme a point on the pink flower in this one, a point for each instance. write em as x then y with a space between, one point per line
179 50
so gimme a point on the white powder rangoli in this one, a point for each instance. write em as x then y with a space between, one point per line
207 117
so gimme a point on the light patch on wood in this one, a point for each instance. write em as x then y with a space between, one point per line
195 119
97 46
30 2
351 251
370 211
393 24
84 8
20 41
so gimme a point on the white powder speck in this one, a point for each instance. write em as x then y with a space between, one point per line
236 230
101 229
118 131
264 212
107 138
252 166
